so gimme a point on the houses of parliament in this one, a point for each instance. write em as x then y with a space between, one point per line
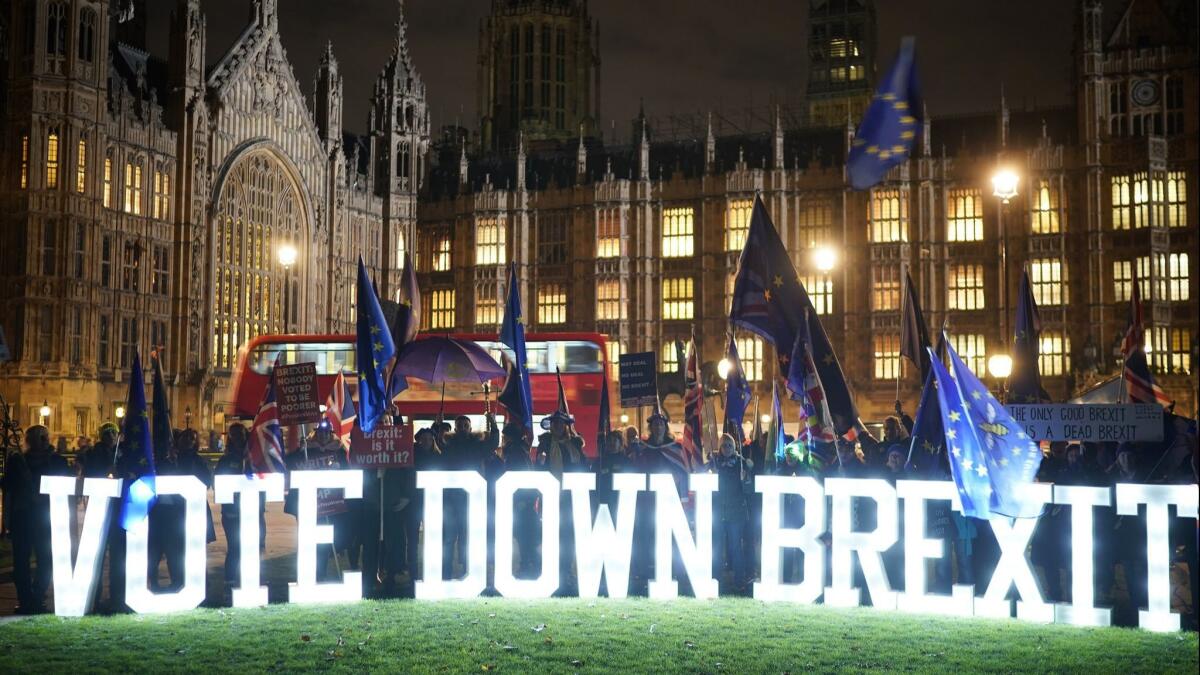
143 201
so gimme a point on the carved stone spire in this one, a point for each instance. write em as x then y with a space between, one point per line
581 156
521 162
463 167
710 148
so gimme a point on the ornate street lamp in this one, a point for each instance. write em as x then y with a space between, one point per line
44 411
287 255
1004 184
723 368
824 258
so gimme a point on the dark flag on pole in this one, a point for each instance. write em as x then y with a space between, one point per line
889 127
914 334
1140 386
137 497
511 397
512 333
604 428
1025 384
927 450
737 392
769 300
406 323
160 423
374 351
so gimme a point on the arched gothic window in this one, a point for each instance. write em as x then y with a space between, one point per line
87 35
259 211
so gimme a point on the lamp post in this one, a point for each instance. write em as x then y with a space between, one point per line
287 255
1004 186
824 259
44 412
1000 367
119 412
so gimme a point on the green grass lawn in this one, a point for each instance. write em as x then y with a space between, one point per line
638 635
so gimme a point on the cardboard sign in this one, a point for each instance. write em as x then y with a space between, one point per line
329 501
384 448
1097 422
296 392
639 379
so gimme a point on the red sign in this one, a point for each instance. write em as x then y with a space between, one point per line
296 389
387 447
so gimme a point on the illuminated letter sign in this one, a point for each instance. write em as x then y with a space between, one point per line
1081 611
1157 498
137 593
309 534
869 545
918 549
506 487
248 593
671 524
603 547
75 587
434 483
1013 536
775 538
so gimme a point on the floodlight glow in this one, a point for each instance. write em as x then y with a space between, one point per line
506 487
248 593
119 412
869 545
1000 366
432 586
1157 498
824 258
287 255
918 549
137 593
75 587
44 411
672 524
309 534
1082 610
723 368
1013 536
1004 184
602 547
775 538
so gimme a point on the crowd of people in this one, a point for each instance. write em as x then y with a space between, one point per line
381 533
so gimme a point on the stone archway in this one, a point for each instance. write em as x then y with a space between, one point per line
259 208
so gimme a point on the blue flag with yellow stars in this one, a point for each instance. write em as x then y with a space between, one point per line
512 333
992 461
889 127
139 495
374 350
737 391
769 300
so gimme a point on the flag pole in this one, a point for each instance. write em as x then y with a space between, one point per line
903 297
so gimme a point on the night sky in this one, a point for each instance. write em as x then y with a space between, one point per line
679 57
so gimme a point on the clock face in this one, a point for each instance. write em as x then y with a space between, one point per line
1145 92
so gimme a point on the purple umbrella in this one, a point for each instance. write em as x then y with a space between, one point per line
443 359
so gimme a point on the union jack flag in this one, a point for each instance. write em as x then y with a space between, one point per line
1139 382
693 403
265 448
339 411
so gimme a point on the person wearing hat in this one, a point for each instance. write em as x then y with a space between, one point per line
653 455
560 450
97 460
100 461
462 450
733 471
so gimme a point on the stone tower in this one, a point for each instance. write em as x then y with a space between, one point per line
841 47
539 72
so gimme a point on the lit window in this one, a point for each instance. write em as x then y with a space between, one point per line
964 215
441 309
613 350
1179 356
885 288
677 303
52 160
750 356
973 351
162 194
487 307
608 233
965 287
737 224
133 188
669 359
1054 353
889 216
1046 277
489 242
820 291
552 304
677 233
131 262
1123 278
886 356
815 223
108 178
441 254
1045 217
1175 199
24 161
609 306
1130 202
1172 276
81 165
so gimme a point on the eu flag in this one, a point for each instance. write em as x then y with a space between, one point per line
510 396
914 334
769 300
927 449
140 495
737 390
374 350
889 127
776 443
406 323
163 434
991 459
512 333
1025 385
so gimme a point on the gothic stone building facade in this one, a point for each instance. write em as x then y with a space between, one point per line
641 241
145 202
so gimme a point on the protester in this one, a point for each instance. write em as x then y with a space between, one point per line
28 513
187 452
734 473
403 508
96 461
526 529
560 450
166 535
321 451
463 450
1127 541
233 463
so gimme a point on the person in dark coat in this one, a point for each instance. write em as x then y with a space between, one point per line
166 538
463 450
514 455
1126 542
29 516
734 473
403 509
560 450
233 463
187 453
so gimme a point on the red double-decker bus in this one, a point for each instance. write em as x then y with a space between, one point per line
579 356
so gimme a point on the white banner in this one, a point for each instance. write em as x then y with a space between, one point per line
1099 422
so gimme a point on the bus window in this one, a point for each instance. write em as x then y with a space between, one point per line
329 357
570 356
